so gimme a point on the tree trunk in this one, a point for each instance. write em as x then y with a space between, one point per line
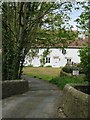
21 67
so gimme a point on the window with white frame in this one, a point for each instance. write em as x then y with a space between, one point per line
69 61
47 59
56 57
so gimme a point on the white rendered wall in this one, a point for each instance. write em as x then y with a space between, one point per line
56 52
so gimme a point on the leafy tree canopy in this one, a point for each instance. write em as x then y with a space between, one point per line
24 23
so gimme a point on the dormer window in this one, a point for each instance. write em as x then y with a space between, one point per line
69 61
63 51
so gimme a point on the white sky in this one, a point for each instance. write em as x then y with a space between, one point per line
74 15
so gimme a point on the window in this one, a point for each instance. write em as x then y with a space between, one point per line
63 51
56 57
69 61
47 59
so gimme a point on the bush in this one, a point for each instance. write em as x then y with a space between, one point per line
41 66
78 66
81 71
30 65
48 66
63 80
62 73
13 87
85 61
67 69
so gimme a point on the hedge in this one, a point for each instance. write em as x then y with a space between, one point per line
14 87
62 73
67 69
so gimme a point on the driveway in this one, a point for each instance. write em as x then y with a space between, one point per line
41 101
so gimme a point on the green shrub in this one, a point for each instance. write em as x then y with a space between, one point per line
85 61
67 69
30 65
81 71
62 73
48 66
41 66
63 80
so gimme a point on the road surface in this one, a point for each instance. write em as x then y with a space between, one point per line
41 101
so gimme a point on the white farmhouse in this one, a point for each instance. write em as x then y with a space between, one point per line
57 57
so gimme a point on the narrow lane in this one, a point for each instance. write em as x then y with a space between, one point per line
41 101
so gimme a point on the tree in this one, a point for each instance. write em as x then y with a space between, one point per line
85 61
20 23
83 21
18 34
84 24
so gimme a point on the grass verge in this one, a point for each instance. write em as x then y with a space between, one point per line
53 75
63 80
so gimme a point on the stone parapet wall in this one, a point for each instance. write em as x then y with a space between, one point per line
75 102
13 87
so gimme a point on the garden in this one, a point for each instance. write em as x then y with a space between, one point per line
53 75
76 89
64 75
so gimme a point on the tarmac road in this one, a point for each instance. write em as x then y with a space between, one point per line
41 101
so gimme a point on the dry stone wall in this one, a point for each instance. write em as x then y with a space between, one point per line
75 102
13 87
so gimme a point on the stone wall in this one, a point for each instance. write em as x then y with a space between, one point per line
75 102
13 87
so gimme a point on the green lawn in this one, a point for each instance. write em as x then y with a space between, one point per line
52 75
45 73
